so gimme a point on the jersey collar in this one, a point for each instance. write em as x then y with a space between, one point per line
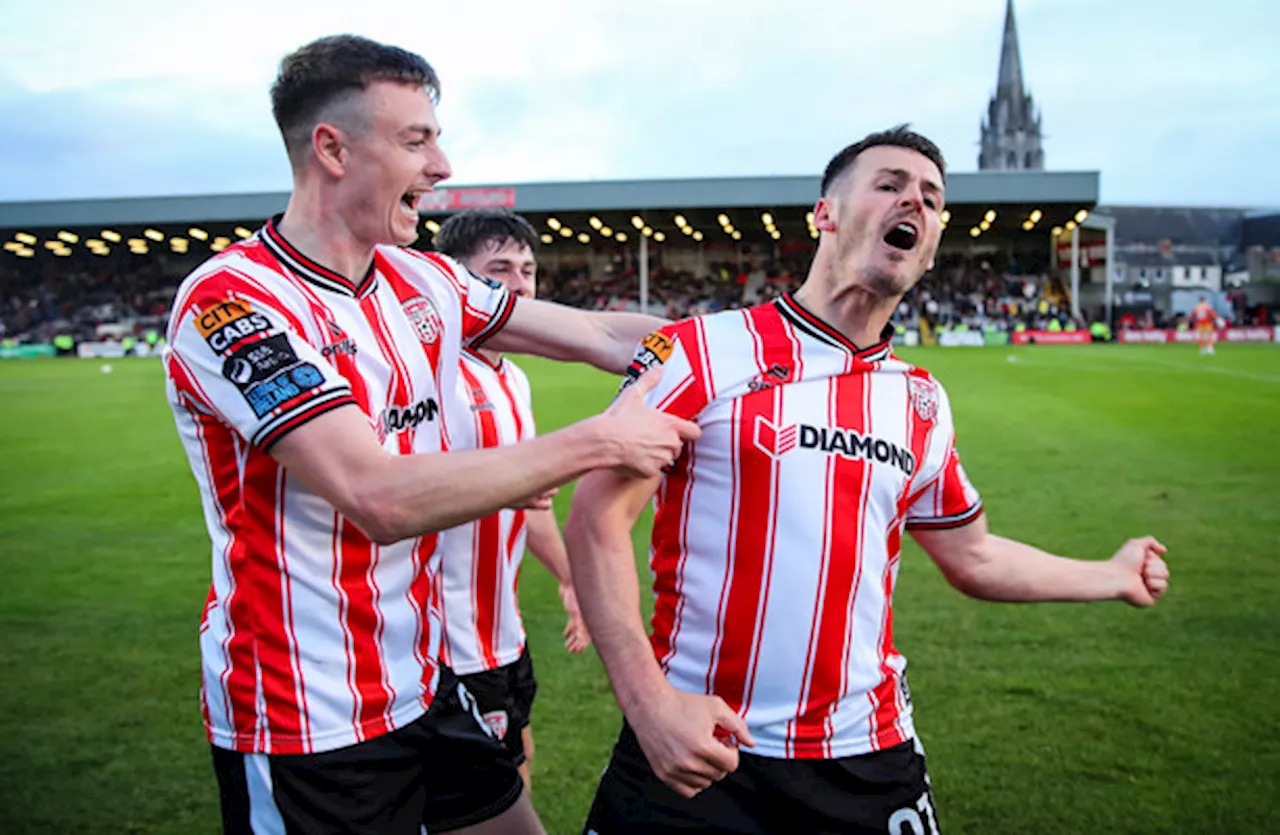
803 319
311 271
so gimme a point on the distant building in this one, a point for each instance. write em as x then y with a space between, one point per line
1011 137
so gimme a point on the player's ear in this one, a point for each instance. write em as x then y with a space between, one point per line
824 215
329 146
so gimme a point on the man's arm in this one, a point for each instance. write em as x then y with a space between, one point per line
547 546
394 497
676 730
604 339
990 567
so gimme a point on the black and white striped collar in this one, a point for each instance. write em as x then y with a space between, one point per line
310 271
805 321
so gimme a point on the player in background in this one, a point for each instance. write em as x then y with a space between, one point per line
770 696
484 638
306 367
1206 322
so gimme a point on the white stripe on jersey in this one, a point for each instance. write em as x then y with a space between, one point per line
780 528
313 637
481 560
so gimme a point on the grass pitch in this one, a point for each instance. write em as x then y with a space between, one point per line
1047 719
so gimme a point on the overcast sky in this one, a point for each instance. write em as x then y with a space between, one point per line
1176 102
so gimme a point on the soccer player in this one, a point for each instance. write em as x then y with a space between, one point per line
484 639
770 696
1206 323
306 369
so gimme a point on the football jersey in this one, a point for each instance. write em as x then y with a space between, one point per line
480 561
777 534
313 637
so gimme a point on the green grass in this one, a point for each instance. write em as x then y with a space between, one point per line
1046 719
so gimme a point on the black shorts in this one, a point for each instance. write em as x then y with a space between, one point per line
505 698
882 792
381 785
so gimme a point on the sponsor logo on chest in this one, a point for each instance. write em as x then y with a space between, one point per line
776 441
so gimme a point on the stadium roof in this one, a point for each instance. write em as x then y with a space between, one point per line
1005 200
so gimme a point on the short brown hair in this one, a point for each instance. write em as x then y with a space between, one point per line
900 137
324 71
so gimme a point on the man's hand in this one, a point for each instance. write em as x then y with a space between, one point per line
542 501
1145 576
690 740
646 440
576 637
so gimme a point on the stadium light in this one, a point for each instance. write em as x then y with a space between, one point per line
26 238
621 237
606 231
776 234
153 234
813 233
111 235
1036 215
241 232
93 242
680 222
1071 224
53 245
808 218
566 232
688 230
553 223
1057 230
25 253
139 250
1081 215
1028 225
198 233
137 242
178 242
224 241
219 244
100 251
13 246
432 226
546 239
637 222
737 236
68 237
985 225
767 218
697 236
722 219
584 238
946 217
729 229
990 216
659 236
594 222
975 232
647 231
62 253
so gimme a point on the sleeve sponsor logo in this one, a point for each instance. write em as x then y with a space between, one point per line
485 280
227 323
654 350
269 374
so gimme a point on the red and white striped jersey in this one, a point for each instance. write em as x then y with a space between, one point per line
313 637
480 565
777 534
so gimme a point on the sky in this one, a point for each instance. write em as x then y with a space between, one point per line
1174 102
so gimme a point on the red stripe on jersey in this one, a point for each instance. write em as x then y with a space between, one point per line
745 598
398 389
511 399
487 553
286 606
343 362
670 524
364 622
231 283
262 570
419 595
842 569
344 607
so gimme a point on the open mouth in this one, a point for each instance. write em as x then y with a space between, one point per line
410 200
903 237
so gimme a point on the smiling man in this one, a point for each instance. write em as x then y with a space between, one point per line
306 369
777 536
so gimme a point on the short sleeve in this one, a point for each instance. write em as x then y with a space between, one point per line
243 358
945 498
680 392
486 306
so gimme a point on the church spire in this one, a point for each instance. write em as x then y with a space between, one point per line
1010 78
1011 130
